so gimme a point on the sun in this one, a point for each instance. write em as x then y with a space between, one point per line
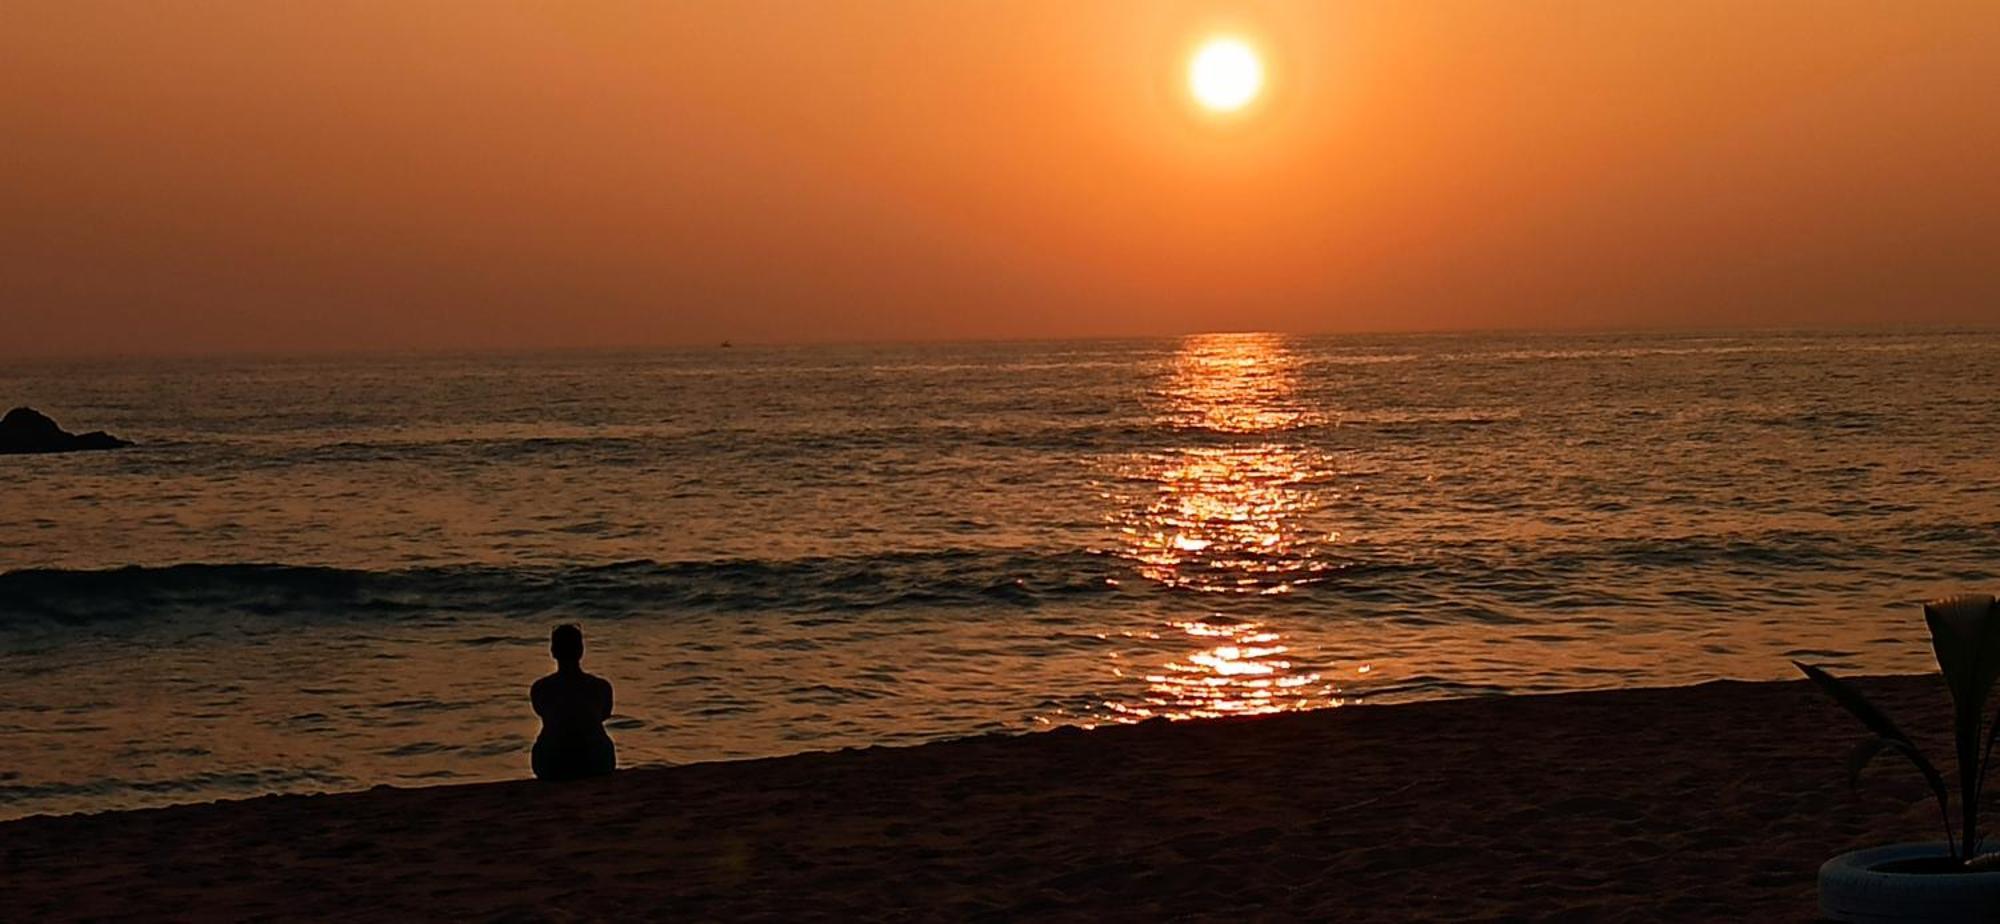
1225 74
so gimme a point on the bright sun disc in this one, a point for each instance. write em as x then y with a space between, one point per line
1225 74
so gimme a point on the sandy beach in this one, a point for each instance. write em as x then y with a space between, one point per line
1712 802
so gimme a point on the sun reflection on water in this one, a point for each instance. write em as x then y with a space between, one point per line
1243 670
1229 512
1224 521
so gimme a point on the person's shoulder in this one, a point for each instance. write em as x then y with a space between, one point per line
542 683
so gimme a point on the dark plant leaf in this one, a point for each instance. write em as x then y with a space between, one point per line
1858 759
1986 760
1930 772
1966 640
1887 733
1856 704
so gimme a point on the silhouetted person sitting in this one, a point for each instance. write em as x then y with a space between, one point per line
573 706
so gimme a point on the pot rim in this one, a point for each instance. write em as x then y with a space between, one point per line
1867 858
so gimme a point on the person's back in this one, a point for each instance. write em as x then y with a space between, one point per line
573 706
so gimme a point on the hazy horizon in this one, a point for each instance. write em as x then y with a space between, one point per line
505 177
1550 332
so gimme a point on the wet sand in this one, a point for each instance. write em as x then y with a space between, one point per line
1713 802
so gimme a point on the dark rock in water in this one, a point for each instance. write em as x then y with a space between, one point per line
28 430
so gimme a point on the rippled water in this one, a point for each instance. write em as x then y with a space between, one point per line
323 574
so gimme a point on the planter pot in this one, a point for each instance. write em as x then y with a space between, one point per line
1884 884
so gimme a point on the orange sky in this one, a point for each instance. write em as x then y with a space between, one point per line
205 176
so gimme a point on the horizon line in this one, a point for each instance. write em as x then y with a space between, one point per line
1697 330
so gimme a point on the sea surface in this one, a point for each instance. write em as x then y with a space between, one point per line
331 573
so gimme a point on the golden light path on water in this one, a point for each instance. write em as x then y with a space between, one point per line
1228 516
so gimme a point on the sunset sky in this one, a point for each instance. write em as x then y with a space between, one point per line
220 176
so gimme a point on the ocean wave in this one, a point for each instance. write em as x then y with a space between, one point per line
944 579
1443 582
212 784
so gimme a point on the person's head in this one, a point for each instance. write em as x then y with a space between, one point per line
566 643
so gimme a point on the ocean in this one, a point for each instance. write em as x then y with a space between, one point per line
332 573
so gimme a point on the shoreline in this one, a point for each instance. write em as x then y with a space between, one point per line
1712 801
